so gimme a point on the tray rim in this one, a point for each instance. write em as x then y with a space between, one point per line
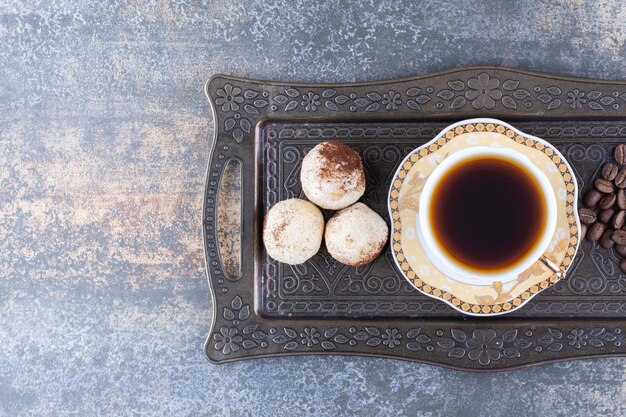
544 75
479 324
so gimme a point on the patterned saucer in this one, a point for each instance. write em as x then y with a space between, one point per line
500 297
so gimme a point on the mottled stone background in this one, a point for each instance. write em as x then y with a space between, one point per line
104 137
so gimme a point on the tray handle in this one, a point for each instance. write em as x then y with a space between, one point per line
228 210
230 187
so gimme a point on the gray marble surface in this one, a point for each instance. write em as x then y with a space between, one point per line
104 137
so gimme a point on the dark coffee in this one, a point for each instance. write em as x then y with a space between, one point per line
488 213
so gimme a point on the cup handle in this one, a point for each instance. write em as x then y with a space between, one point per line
557 271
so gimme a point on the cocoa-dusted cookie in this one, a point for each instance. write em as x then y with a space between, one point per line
332 175
292 231
356 235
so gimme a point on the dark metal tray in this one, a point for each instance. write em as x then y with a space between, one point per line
264 308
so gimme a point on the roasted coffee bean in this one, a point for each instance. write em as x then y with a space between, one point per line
607 201
620 154
605 216
609 171
621 199
604 186
583 230
619 236
592 197
623 265
618 219
606 241
587 215
620 178
595 232
621 250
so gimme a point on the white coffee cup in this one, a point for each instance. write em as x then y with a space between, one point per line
438 256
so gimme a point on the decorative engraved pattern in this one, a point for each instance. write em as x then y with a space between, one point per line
484 346
479 91
244 333
373 287
231 100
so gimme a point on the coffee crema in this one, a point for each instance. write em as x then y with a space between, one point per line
488 213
